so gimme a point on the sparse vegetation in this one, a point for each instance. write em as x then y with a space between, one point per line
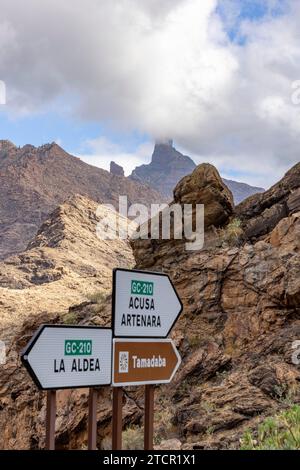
286 394
182 390
97 297
222 375
106 443
70 318
210 430
133 438
208 406
164 426
281 432
195 342
232 234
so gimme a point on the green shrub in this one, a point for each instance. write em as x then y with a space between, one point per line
194 342
281 432
70 318
97 297
163 423
232 233
133 438
98 300
208 406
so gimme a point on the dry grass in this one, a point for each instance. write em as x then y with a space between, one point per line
232 234
133 438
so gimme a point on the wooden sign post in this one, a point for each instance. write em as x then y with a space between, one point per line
50 420
92 419
117 418
149 417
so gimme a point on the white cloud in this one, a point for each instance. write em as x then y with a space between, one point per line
165 68
102 151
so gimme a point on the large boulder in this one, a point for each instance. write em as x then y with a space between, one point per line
205 186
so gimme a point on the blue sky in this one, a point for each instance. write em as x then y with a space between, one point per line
38 129
44 127
251 10
85 133
71 134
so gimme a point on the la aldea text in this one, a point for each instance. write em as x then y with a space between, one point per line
77 365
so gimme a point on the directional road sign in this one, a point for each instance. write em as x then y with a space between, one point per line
61 356
144 361
145 304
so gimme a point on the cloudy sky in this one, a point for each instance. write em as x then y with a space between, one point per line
106 78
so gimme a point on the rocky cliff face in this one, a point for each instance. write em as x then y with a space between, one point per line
58 279
34 181
260 213
241 314
241 297
116 169
63 265
168 167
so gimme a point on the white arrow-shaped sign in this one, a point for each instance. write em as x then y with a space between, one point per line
145 304
61 356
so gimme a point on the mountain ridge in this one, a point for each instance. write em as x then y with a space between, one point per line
168 166
240 318
35 180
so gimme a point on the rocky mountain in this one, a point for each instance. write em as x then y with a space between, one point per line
241 191
34 181
116 169
168 166
241 296
63 265
58 279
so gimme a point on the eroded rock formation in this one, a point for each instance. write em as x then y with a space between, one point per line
54 281
168 167
260 213
116 169
241 317
34 181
